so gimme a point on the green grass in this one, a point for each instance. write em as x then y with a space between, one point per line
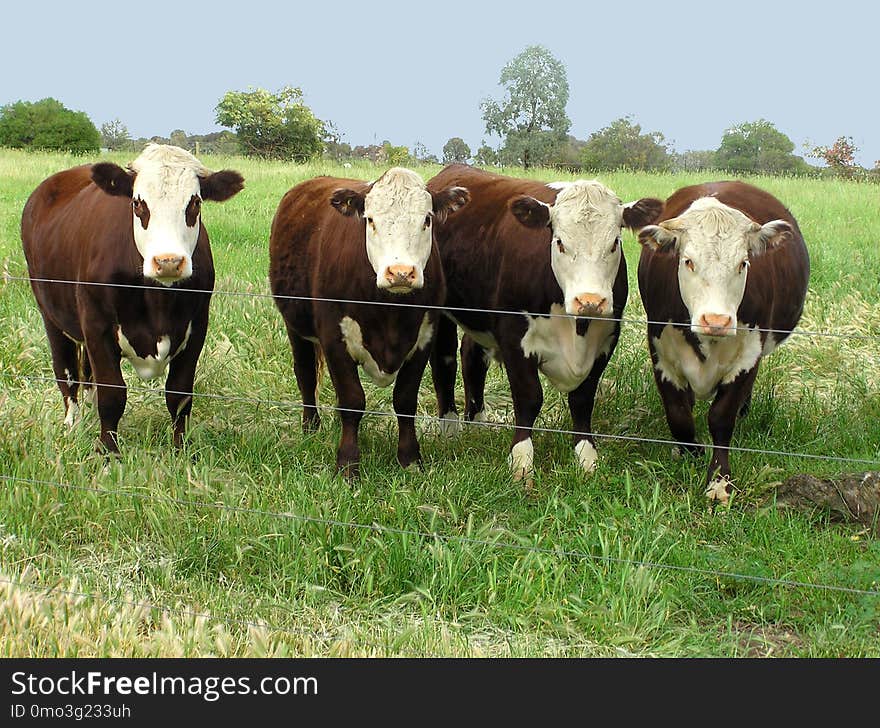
248 544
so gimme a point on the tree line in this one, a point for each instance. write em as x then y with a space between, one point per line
528 122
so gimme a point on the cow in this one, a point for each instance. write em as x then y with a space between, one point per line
108 250
537 279
342 254
723 277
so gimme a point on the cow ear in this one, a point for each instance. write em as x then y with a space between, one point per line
448 201
348 202
768 236
657 237
220 186
113 179
530 212
642 212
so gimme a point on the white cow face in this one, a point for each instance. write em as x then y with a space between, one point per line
585 251
715 244
399 214
166 185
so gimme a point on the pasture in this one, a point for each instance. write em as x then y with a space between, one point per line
248 544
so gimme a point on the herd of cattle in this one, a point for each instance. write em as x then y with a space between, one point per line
380 275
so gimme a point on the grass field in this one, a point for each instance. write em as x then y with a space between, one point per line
248 544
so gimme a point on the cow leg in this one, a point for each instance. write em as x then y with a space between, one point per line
473 373
65 364
351 400
525 389
305 368
443 371
729 400
181 379
110 387
406 397
679 407
580 403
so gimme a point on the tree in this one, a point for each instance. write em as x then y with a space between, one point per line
694 160
758 147
277 125
531 119
47 124
486 156
455 150
840 156
396 156
114 135
621 144
179 138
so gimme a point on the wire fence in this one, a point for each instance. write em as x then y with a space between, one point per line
428 307
387 530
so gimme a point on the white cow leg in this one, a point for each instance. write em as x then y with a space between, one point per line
521 461
586 455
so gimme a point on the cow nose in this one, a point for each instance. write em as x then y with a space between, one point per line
715 324
168 266
400 275
590 304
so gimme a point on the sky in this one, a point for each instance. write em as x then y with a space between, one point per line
416 72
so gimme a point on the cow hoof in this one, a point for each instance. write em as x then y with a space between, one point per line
480 416
310 424
587 456
450 424
686 451
414 467
719 490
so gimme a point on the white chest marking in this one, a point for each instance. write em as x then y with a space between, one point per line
726 358
149 367
354 344
483 338
564 357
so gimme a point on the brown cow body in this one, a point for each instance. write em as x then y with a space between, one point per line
498 258
318 252
73 230
690 363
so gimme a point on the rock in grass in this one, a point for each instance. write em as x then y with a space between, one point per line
849 497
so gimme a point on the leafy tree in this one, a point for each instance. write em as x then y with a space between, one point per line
277 125
486 156
179 139
531 119
455 150
694 160
758 147
396 156
840 156
420 153
114 135
622 144
47 124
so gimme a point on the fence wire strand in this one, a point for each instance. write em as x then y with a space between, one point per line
440 420
379 528
465 540
428 307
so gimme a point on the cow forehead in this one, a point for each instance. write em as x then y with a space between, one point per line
586 210
399 192
165 172
710 229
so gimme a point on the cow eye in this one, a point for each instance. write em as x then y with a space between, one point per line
689 264
370 222
743 265
560 246
427 221
614 247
